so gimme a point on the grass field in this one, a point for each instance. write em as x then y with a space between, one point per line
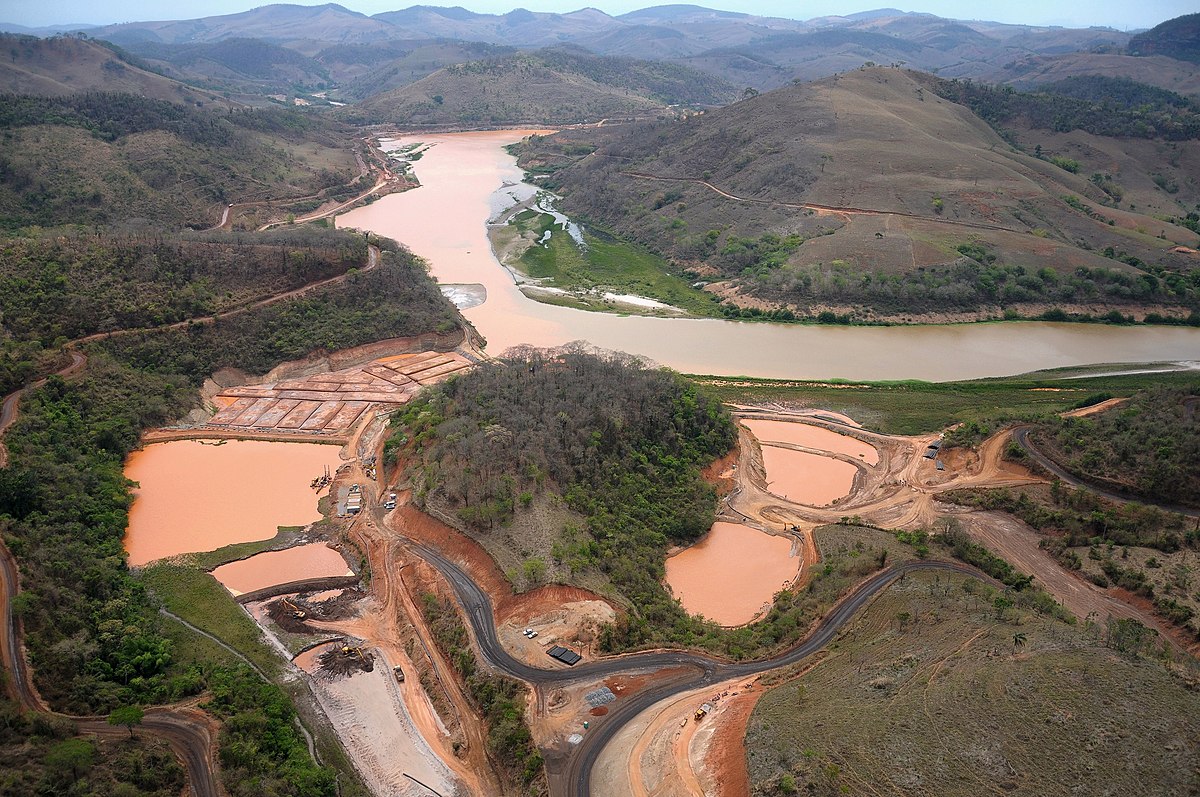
917 407
606 263
198 598
929 693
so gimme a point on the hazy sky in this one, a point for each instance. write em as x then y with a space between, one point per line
1115 13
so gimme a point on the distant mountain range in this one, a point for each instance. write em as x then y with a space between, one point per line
359 56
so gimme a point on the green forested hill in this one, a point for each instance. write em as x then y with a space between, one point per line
1176 38
1149 446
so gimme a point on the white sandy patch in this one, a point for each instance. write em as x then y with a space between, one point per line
373 723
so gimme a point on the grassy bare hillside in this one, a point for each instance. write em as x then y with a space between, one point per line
121 159
241 65
557 86
868 194
1158 70
967 696
64 65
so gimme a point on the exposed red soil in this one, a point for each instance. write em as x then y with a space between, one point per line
483 570
715 473
727 749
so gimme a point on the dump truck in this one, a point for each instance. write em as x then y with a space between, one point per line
702 712
399 673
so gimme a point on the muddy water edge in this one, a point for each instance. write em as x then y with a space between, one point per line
468 179
199 495
733 573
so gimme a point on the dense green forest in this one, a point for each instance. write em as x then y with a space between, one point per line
92 632
1149 447
1098 105
59 288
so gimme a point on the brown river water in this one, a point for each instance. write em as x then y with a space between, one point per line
731 574
468 178
197 496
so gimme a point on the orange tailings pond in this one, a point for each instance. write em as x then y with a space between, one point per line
804 478
732 574
809 436
199 495
269 569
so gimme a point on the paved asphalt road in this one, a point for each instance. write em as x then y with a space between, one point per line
706 671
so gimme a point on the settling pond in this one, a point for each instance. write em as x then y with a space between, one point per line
199 495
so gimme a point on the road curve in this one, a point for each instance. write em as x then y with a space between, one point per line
1021 437
183 728
707 670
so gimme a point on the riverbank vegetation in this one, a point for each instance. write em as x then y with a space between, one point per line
94 637
1148 447
913 407
601 263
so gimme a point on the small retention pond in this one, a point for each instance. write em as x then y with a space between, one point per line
809 436
268 569
809 479
732 574
199 495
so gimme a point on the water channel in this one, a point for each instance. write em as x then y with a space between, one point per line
468 179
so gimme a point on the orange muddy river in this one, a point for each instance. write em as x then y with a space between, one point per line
809 436
468 178
733 573
197 496
809 479
268 569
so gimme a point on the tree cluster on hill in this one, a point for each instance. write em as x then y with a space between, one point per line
40 755
105 158
54 289
1149 446
1097 105
394 301
1175 38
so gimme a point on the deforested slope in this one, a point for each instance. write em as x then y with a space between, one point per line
67 65
870 195
110 158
